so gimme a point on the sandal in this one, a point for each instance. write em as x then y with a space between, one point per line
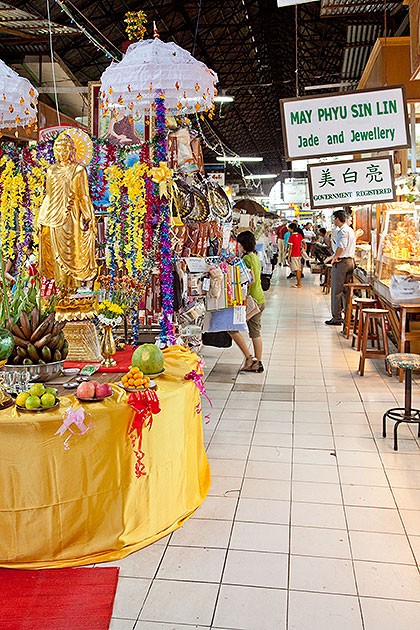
251 365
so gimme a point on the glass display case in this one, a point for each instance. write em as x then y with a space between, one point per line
364 265
399 246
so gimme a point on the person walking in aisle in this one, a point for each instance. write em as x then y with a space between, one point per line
246 241
342 265
294 253
280 233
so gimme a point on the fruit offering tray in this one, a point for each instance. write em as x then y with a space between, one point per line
92 391
39 398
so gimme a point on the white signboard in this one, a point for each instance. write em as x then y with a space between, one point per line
356 182
352 122
295 191
217 178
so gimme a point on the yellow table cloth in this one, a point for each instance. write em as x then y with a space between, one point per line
61 508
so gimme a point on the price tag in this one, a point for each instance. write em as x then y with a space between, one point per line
239 314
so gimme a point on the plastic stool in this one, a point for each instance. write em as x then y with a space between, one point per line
374 315
357 333
408 363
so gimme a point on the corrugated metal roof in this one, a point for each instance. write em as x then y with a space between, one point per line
24 22
360 41
330 8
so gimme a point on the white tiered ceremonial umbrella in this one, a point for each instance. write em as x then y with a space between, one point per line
18 99
150 67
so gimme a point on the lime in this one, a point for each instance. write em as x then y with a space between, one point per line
21 399
51 390
33 402
48 400
37 390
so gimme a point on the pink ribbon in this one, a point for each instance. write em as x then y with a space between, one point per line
77 417
198 382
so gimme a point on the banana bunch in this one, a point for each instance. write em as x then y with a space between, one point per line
39 338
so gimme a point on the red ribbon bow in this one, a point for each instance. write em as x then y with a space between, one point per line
145 404
197 379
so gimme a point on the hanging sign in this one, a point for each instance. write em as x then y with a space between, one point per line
49 133
217 178
356 182
352 122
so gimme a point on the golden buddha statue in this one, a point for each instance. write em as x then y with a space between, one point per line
66 222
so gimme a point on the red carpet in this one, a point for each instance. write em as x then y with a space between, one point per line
122 357
57 599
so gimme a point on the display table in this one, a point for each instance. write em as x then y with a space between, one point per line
85 505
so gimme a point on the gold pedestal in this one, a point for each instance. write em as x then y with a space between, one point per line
84 344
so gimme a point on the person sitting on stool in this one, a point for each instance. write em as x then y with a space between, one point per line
342 265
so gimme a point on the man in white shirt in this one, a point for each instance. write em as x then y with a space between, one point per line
343 265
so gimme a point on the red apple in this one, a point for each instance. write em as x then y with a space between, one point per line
102 390
86 390
96 383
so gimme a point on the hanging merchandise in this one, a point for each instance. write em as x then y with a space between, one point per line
18 99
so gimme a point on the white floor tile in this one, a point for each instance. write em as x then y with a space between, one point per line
180 602
129 598
192 564
377 547
266 489
322 542
263 511
254 568
393 581
368 497
246 608
324 575
320 611
368 519
388 614
318 515
260 537
202 533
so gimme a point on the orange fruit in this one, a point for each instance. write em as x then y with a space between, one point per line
131 382
134 370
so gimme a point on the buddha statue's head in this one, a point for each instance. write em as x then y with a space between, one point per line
64 149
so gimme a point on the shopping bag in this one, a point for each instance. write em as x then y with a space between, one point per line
227 320
252 307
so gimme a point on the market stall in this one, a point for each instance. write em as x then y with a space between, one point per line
93 231
85 505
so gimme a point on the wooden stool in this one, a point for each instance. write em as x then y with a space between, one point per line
408 363
377 315
327 284
350 288
357 333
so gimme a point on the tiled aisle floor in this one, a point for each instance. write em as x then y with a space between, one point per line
312 521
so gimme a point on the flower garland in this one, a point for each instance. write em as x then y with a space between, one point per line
166 336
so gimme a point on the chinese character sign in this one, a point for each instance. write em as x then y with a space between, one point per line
351 122
351 183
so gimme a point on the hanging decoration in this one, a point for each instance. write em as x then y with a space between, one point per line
128 88
85 32
18 99
136 25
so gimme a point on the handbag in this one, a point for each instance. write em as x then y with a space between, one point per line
265 281
252 307
217 339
